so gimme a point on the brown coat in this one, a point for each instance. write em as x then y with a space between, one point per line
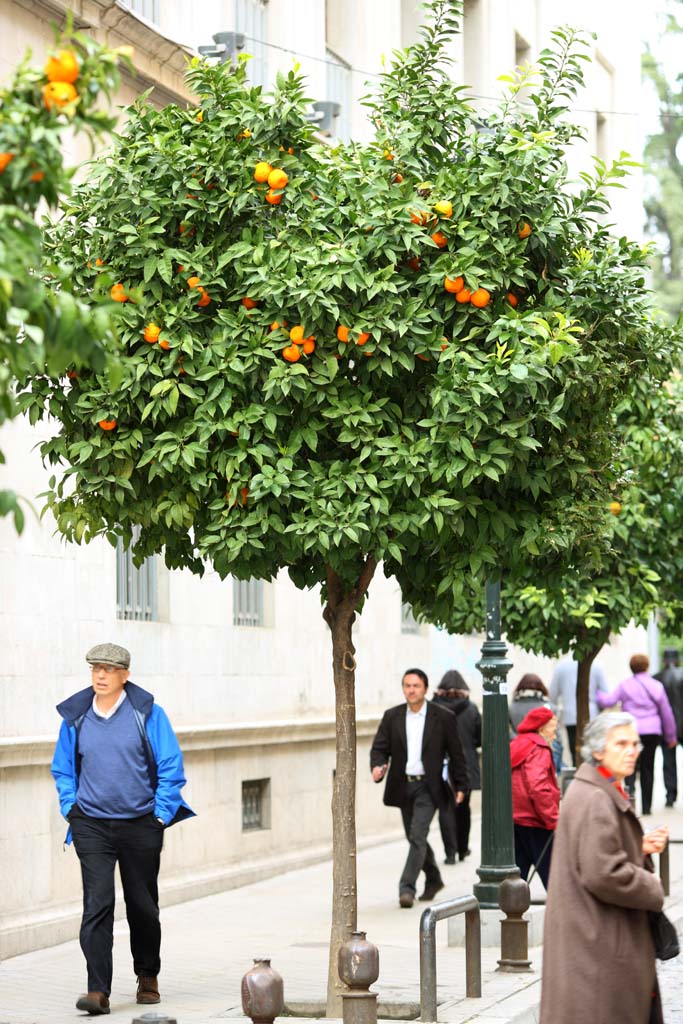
598 956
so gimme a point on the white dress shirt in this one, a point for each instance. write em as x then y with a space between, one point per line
415 727
112 710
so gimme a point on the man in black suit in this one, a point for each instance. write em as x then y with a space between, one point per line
413 740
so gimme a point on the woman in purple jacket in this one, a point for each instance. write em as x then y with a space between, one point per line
645 699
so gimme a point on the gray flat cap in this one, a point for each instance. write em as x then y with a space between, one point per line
108 654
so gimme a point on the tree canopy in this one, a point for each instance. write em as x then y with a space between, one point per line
46 325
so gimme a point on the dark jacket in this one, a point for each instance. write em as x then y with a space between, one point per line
440 739
671 679
469 730
598 956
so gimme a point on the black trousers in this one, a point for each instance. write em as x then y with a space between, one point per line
417 814
670 773
136 844
447 828
571 739
455 821
645 766
530 844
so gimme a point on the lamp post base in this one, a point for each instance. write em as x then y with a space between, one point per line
490 877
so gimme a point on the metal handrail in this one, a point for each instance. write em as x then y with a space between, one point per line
469 906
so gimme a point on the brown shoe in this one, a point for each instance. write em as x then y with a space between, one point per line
148 990
94 1003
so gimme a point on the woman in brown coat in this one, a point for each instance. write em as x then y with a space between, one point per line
598 955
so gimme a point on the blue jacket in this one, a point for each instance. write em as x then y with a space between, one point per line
164 757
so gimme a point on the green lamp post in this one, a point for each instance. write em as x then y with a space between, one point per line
497 834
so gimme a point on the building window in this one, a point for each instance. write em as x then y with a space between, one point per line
339 91
255 805
251 20
247 603
147 9
409 623
136 589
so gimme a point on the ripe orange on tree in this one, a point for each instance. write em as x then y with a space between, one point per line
424 358
244 494
398 178
615 507
37 175
362 338
118 293
277 178
454 284
193 282
343 333
63 67
274 198
418 218
205 298
309 345
414 263
261 171
439 239
444 208
292 353
463 296
165 344
151 333
480 298
249 303
5 158
524 229
512 299
297 334
107 424
58 94
71 374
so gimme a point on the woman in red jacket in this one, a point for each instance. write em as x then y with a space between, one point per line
535 793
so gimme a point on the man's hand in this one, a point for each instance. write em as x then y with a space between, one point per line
656 840
459 796
378 772
672 745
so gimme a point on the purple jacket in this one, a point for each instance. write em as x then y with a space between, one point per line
645 699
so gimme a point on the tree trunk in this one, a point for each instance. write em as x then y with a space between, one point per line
339 613
583 675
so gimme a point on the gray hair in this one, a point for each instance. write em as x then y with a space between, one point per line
596 733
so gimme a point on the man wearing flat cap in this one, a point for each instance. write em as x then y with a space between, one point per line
119 773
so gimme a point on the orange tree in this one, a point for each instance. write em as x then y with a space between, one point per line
341 356
631 568
46 324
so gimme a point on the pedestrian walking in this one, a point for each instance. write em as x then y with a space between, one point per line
455 819
562 694
531 692
411 742
671 678
598 953
645 698
119 773
535 793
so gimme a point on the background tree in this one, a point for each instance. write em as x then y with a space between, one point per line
45 324
664 178
339 356
575 603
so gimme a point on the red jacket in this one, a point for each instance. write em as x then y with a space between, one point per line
535 793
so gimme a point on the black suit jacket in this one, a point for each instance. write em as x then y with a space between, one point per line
440 738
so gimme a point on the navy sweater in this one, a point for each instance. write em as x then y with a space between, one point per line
114 778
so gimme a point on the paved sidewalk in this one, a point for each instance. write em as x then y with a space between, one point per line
208 944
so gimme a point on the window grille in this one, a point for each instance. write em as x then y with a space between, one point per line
136 589
247 603
147 9
255 795
409 623
339 91
251 19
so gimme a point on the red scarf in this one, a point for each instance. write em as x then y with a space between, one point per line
610 778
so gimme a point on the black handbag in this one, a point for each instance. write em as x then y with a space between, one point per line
664 935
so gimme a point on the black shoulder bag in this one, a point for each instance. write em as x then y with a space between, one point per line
664 935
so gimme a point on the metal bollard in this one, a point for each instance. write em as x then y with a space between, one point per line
358 965
154 1018
263 997
514 901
